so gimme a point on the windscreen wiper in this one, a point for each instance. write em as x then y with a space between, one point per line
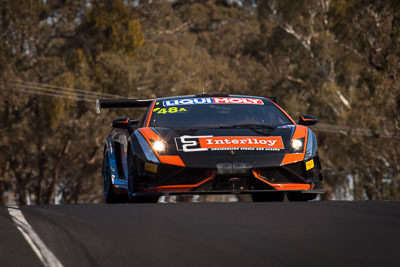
210 127
253 126
245 126
194 129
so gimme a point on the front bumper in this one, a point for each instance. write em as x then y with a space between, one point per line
221 192
168 179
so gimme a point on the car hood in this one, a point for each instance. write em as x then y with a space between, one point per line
207 147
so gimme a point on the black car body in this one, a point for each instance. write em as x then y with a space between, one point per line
210 144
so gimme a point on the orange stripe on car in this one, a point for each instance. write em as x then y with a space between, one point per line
173 160
148 116
292 158
282 187
167 159
300 132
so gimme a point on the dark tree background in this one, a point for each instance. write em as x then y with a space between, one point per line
338 60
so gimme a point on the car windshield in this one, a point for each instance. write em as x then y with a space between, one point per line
216 112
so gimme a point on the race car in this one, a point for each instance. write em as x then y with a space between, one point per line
209 144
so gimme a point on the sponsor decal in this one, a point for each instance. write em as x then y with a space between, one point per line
213 100
188 143
169 110
149 167
286 126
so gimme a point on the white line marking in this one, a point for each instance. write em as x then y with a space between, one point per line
44 254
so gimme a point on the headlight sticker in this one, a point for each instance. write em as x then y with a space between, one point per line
188 143
309 165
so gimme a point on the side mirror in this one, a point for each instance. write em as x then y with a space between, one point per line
121 123
307 120
134 123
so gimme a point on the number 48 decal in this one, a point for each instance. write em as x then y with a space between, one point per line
169 110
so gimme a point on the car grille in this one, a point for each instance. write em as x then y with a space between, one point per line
184 176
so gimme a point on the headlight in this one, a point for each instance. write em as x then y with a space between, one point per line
159 146
297 144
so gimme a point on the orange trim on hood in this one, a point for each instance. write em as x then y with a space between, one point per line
299 132
292 158
173 160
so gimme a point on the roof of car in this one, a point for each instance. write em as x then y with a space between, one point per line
209 95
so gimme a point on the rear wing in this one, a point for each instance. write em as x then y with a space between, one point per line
122 103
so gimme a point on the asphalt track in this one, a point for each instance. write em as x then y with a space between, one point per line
209 234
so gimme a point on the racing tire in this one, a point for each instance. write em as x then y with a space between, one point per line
300 197
132 185
268 197
109 194
149 199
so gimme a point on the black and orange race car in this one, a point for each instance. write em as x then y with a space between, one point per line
209 144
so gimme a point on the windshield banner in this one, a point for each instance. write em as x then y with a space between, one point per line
213 100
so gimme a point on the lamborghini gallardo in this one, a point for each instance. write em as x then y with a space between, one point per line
209 144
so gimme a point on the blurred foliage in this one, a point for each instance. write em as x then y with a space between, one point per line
111 28
336 59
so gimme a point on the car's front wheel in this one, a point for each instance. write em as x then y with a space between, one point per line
298 196
301 197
